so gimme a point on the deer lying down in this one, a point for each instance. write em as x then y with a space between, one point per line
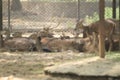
58 45
20 44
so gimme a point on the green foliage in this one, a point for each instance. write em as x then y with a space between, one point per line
117 11
108 14
90 19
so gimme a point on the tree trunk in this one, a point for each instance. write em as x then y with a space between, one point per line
16 5
101 37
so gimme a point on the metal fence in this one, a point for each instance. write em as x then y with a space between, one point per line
56 14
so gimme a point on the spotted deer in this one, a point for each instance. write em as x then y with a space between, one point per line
108 27
17 43
57 45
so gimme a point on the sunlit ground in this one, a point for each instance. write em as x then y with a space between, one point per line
31 64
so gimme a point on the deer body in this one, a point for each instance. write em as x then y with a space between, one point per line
107 26
19 44
58 45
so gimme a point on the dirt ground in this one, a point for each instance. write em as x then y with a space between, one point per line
30 65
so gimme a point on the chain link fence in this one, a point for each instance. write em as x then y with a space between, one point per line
58 15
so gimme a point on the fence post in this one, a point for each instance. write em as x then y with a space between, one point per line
119 25
1 24
101 37
114 9
1 15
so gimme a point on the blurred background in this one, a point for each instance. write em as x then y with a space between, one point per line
60 15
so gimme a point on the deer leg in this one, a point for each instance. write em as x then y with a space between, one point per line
110 47
95 41
111 44
94 38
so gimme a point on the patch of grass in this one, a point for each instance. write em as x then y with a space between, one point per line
115 56
37 71
33 69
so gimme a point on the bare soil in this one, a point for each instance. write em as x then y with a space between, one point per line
30 65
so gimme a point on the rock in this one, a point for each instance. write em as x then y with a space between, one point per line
87 67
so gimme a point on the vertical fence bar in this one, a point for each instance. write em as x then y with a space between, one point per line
1 15
9 27
78 11
114 9
1 25
119 25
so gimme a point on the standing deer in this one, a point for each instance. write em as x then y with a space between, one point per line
93 29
